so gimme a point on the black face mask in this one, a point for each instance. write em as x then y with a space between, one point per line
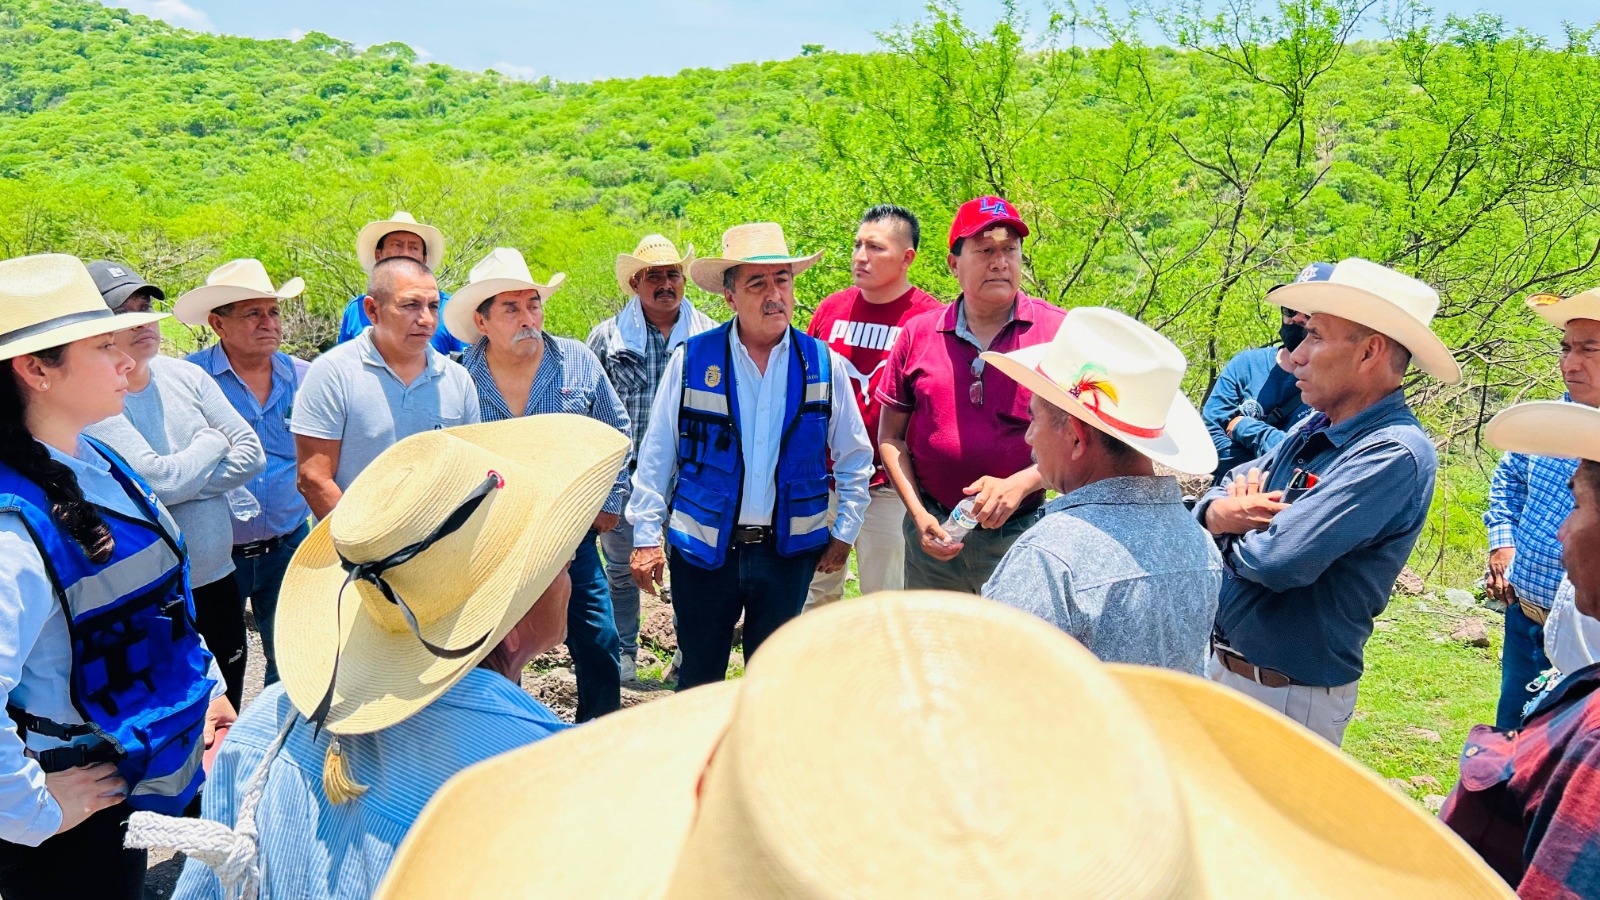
1291 334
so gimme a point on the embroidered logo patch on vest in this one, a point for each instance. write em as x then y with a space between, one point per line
713 376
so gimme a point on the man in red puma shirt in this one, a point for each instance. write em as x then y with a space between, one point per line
860 324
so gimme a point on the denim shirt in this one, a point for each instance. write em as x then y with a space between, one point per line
1119 565
283 509
1301 596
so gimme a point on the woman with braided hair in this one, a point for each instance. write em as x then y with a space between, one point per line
110 694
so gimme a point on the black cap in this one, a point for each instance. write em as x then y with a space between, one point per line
117 282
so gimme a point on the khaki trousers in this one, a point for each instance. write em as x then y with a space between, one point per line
1326 711
880 552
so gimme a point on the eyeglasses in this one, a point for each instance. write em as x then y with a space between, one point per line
975 392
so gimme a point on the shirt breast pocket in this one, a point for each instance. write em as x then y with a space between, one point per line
576 399
451 413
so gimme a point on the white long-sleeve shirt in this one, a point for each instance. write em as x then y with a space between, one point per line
762 408
36 654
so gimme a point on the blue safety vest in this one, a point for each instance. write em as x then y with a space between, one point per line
139 668
705 503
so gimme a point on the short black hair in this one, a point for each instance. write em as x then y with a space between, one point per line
380 284
730 277
955 249
906 218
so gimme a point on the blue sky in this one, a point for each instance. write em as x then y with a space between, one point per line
581 41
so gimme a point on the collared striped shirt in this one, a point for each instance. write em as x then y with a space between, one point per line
1529 498
569 380
634 376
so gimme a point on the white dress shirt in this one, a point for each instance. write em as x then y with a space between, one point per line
761 422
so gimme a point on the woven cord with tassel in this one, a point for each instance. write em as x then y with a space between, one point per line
336 780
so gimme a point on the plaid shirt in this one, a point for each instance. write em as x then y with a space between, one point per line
1529 498
635 377
569 380
1529 800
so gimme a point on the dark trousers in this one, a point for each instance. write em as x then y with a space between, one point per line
1521 661
219 614
87 861
259 578
769 589
592 634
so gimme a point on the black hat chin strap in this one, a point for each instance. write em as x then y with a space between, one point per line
372 573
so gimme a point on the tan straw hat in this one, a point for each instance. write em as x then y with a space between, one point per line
502 270
368 237
1120 376
653 250
761 243
1558 310
1396 306
50 300
934 745
231 282
436 551
1547 428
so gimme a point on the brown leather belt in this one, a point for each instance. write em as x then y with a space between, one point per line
1533 611
1238 665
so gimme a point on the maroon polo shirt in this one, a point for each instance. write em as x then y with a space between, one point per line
954 442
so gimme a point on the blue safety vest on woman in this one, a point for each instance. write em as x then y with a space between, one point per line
705 503
139 668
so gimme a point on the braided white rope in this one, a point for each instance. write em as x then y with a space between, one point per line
230 852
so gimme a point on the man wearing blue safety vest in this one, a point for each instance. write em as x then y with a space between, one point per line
734 467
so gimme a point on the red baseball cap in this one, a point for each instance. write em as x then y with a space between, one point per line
980 213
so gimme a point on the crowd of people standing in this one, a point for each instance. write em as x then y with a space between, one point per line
452 490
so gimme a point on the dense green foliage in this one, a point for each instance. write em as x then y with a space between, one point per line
1176 182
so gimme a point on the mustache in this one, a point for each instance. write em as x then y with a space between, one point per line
773 309
525 334
666 293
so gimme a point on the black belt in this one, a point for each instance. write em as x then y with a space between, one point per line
752 534
262 548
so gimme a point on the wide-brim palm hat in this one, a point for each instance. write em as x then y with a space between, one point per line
1391 303
935 745
1118 375
370 234
1559 310
758 243
653 250
440 546
1547 428
232 282
50 300
502 270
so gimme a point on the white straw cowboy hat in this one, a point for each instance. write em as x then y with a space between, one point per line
1547 428
231 282
653 250
50 300
368 237
761 244
436 551
502 270
1558 310
935 745
1118 375
1394 305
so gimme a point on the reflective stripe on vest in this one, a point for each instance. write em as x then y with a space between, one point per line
121 578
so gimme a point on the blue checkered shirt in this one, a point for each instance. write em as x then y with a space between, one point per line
569 380
1529 498
634 375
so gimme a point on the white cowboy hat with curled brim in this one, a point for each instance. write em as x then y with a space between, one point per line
502 270
368 237
231 282
1547 428
1558 310
1119 376
1393 304
354 648
972 751
653 250
759 243
50 300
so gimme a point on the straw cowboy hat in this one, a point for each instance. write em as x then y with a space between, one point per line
760 243
1547 428
50 300
1118 375
1396 306
1558 310
436 551
368 237
231 282
502 270
975 751
653 250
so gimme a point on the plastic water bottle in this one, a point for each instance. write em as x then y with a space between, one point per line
960 522
243 504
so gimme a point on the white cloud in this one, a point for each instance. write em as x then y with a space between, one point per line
521 73
295 34
173 12
423 53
